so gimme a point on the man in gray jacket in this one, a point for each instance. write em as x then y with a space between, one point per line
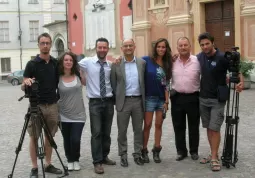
127 80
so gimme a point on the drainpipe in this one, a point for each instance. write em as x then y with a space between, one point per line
20 35
67 24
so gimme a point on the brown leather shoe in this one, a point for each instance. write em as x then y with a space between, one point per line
107 161
98 168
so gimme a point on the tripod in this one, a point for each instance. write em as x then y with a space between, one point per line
35 116
230 154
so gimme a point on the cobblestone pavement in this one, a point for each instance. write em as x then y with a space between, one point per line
12 113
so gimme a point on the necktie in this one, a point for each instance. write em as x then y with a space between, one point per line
102 80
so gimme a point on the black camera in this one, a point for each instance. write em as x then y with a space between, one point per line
233 58
31 92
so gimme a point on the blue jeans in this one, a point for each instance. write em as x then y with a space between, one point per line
101 115
72 132
154 103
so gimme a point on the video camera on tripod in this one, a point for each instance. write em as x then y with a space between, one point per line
35 115
230 154
233 58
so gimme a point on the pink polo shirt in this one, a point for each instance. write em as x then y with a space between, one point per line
186 77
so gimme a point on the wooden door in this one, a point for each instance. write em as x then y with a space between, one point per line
219 18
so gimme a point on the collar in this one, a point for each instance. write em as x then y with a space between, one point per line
96 60
38 59
133 60
179 59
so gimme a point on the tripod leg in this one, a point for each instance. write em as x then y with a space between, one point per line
52 143
236 129
41 152
22 136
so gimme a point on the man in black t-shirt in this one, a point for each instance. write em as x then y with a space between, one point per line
214 68
44 70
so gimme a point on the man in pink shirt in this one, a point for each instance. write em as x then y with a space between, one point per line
185 100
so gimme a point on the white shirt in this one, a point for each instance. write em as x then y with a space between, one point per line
91 68
132 79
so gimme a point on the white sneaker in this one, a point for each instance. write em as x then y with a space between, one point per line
76 166
70 166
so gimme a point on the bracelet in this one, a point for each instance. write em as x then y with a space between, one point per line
166 102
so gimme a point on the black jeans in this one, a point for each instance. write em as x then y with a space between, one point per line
101 115
72 132
182 106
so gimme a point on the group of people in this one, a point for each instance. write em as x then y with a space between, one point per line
139 87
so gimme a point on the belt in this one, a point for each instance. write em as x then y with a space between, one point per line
134 96
188 94
101 99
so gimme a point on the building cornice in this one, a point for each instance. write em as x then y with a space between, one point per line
142 25
248 11
180 19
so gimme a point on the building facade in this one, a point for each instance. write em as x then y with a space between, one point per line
21 21
232 22
91 19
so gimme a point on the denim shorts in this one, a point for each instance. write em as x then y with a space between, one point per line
153 103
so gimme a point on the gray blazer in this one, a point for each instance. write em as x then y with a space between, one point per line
118 81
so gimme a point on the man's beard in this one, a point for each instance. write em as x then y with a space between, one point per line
101 57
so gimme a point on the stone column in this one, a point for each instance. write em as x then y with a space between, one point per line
141 27
248 29
179 22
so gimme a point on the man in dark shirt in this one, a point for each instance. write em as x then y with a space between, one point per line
43 69
214 68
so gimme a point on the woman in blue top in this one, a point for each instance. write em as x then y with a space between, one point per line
157 79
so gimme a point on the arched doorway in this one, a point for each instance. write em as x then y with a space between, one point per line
60 47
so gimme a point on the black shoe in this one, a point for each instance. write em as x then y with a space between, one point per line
107 161
181 157
145 156
51 169
139 161
34 173
156 151
194 156
124 162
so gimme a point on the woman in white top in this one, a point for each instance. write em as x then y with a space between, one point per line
71 108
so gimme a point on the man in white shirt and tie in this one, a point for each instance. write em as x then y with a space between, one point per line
101 104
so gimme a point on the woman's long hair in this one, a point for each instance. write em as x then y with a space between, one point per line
167 58
75 67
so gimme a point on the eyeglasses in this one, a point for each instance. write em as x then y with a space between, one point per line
45 43
126 46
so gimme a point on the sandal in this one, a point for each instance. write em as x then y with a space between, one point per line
206 159
215 165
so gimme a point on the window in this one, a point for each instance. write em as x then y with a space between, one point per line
33 30
159 2
4 1
4 31
58 2
6 64
32 1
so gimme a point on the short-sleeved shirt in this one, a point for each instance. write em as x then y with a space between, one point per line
186 76
155 79
213 73
46 74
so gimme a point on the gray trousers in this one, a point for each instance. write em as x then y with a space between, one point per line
132 107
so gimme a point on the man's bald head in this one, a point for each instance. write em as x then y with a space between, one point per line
128 47
128 40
